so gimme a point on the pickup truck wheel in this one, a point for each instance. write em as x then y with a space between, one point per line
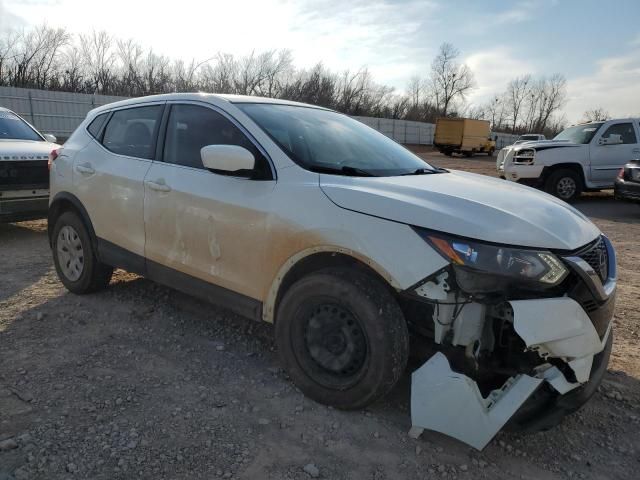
564 184
74 258
342 338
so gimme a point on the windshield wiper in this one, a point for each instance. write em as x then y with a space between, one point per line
424 171
344 170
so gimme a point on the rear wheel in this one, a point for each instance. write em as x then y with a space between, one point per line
342 338
564 184
74 257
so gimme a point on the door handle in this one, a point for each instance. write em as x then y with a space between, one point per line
158 187
85 169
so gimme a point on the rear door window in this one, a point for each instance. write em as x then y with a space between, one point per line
625 130
132 131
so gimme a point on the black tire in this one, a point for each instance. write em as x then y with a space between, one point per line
448 153
468 154
356 330
491 152
565 184
92 275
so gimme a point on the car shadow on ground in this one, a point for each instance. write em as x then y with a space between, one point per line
14 278
603 206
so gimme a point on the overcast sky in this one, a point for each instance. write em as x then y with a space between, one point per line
595 44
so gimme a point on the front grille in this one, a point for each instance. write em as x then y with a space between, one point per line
596 256
29 173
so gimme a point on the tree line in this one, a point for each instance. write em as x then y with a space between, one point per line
51 58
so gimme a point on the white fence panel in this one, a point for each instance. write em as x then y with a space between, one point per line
60 113
53 112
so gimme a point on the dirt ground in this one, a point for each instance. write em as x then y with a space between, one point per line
140 381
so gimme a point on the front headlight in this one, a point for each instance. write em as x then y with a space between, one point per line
524 156
471 258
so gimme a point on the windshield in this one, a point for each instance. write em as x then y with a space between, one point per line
325 141
579 134
12 127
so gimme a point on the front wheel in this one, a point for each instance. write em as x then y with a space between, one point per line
564 184
74 257
342 338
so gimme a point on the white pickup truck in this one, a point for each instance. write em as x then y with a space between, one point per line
583 157
529 137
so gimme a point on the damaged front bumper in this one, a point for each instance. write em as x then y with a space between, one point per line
570 338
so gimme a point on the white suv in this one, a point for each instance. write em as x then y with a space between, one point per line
351 245
582 157
24 177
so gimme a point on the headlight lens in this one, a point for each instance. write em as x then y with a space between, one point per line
526 265
524 156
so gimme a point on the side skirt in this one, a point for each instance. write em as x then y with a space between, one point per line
119 257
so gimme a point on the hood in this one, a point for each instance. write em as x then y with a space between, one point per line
466 204
25 150
543 144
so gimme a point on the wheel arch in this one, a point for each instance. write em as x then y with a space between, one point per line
64 202
575 166
315 259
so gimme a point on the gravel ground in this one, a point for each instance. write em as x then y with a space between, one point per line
140 381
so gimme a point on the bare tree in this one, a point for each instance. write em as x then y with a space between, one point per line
45 62
450 80
497 111
476 112
73 74
416 91
51 58
185 76
8 53
517 91
597 114
277 66
317 86
99 57
551 94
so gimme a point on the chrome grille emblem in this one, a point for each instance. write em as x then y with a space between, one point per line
602 264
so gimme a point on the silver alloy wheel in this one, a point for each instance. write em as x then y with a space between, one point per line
566 187
70 253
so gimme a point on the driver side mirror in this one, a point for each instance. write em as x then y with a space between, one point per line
612 139
227 159
50 138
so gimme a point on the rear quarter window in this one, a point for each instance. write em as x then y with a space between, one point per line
95 126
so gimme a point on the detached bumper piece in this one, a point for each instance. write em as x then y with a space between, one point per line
451 403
